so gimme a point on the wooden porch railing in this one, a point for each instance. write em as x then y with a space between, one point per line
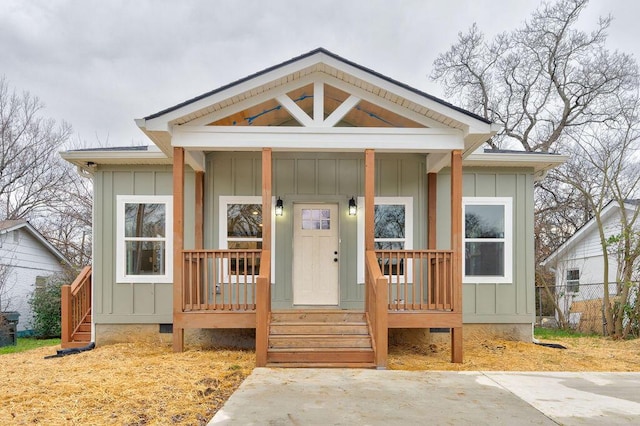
419 280
224 280
75 304
376 307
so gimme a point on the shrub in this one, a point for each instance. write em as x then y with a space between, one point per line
45 304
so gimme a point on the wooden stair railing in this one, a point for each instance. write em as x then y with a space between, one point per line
76 311
376 307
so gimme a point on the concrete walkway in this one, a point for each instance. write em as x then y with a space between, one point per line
370 397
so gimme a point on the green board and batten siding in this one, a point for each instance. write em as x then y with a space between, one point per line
316 178
312 177
488 302
130 303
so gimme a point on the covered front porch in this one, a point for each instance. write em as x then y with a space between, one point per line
231 288
327 123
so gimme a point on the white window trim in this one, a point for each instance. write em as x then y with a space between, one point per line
507 203
408 227
225 200
121 251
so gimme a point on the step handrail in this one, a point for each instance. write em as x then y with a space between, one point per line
75 304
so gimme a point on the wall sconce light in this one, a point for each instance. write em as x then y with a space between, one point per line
279 207
353 207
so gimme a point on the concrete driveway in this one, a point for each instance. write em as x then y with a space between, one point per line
370 397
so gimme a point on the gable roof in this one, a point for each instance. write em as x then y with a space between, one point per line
7 226
590 226
317 51
202 115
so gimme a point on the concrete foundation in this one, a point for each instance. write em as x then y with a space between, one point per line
515 332
244 338
237 338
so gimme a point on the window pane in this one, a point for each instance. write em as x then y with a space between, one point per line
388 245
484 221
244 245
145 258
316 219
484 259
573 274
389 221
244 220
144 220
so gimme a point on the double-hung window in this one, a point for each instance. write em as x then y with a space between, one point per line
144 250
487 239
393 230
240 228
573 280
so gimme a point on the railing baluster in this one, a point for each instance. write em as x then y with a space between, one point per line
422 279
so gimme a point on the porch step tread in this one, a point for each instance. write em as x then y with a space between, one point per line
322 349
319 328
321 365
318 317
322 357
320 341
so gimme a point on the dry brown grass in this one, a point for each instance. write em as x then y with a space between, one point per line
143 384
124 384
494 354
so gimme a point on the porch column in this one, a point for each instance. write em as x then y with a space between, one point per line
263 290
456 246
178 244
369 194
266 198
432 198
199 213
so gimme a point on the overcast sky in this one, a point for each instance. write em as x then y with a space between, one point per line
100 64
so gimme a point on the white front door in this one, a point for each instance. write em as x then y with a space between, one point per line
316 266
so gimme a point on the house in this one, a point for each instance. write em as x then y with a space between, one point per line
578 266
27 259
320 205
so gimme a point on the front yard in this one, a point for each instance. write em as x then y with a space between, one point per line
145 384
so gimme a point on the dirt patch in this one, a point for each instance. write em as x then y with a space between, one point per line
145 384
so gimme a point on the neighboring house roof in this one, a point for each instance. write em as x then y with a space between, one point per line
590 226
7 226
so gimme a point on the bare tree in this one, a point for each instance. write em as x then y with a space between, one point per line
604 167
68 225
31 171
539 80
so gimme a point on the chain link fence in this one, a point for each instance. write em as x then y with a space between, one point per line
582 306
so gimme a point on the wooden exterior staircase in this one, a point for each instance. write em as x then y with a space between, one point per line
311 338
76 311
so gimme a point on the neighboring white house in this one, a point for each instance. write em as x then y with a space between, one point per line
26 260
578 265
